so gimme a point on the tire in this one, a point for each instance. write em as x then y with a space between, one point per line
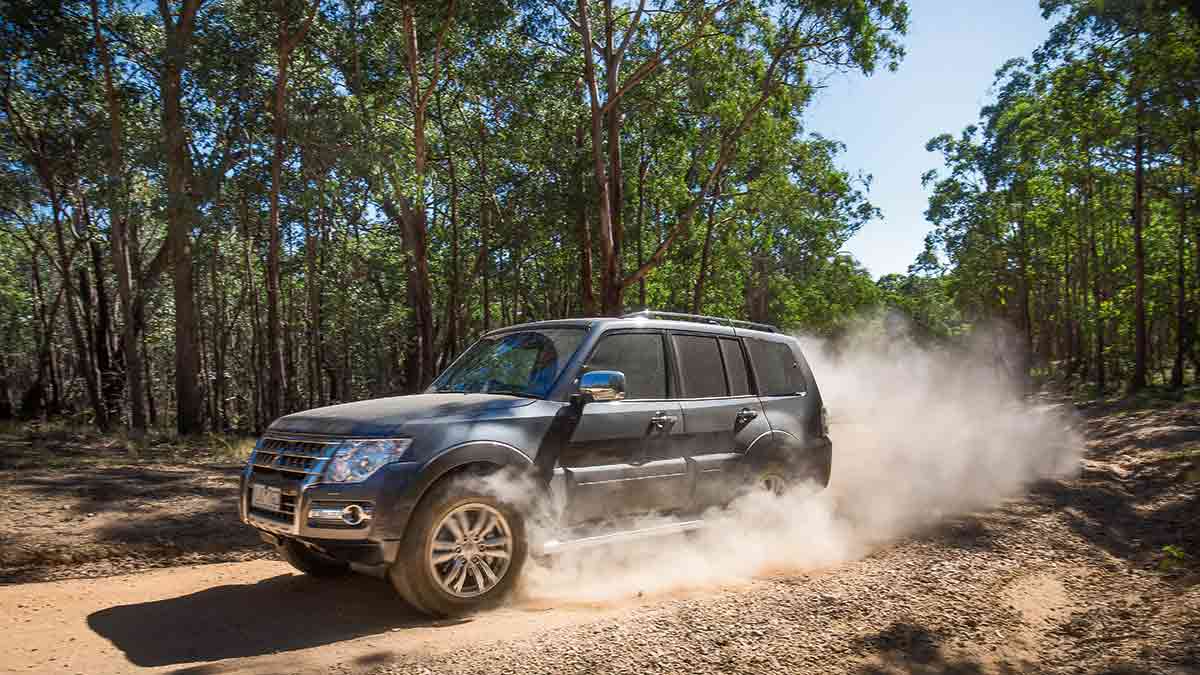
773 477
441 572
311 562
781 478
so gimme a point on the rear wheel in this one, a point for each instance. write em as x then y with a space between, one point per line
309 561
774 478
463 552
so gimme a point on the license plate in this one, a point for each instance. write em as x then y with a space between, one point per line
265 497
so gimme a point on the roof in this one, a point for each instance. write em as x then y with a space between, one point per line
654 319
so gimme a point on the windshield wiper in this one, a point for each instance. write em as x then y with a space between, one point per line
513 392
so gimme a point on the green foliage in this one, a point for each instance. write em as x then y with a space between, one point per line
1033 209
1173 557
507 192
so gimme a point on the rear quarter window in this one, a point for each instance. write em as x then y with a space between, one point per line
777 369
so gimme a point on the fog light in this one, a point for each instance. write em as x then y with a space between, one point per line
339 513
353 514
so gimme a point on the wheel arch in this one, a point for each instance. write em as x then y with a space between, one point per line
480 456
809 459
773 445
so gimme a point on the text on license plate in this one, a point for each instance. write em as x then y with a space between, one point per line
265 497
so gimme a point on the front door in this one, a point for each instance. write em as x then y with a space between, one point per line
623 458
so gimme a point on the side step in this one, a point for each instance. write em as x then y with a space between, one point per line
554 546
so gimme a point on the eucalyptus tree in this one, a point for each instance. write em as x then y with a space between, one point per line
780 40
49 103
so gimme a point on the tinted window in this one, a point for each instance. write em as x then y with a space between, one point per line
735 368
700 366
525 363
640 357
776 367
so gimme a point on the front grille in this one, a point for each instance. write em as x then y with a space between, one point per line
296 460
290 465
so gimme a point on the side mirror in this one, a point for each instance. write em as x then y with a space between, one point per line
602 385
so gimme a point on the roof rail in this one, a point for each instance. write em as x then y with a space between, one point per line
700 318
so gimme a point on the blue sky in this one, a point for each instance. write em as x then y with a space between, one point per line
953 51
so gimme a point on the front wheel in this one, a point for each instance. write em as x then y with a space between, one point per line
463 552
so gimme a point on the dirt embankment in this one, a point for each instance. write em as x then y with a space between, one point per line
1076 576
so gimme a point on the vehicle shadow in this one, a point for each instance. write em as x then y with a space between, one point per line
279 614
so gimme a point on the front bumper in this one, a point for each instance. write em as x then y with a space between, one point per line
386 500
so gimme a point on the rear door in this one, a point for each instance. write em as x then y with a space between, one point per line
622 459
722 416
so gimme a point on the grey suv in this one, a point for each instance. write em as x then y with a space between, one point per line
540 438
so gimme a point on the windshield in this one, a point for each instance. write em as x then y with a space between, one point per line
523 363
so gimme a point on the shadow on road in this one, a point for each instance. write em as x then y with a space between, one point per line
916 650
278 614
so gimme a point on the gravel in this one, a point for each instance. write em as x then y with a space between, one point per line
1070 579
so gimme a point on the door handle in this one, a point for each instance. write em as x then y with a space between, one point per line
661 420
745 415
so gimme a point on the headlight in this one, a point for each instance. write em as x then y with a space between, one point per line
355 461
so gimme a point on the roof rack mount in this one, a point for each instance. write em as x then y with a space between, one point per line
700 318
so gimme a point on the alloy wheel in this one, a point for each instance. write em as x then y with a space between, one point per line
470 550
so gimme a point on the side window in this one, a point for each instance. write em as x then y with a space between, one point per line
735 367
640 356
700 366
778 372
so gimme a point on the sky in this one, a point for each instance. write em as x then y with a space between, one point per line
953 49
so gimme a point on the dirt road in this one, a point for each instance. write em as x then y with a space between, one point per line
1068 578
1016 590
234 617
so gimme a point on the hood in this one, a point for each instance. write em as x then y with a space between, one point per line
386 416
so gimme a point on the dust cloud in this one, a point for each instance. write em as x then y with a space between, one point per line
920 433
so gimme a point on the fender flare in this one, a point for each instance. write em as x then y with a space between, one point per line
501 455
772 445
796 453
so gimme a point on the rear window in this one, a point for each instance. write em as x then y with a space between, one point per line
700 366
778 372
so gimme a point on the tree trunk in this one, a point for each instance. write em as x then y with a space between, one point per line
705 253
111 384
119 237
188 402
84 363
312 283
220 339
7 408
1182 329
485 259
609 296
643 166
413 208
1138 381
587 294
256 355
614 273
758 289
453 314
276 382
